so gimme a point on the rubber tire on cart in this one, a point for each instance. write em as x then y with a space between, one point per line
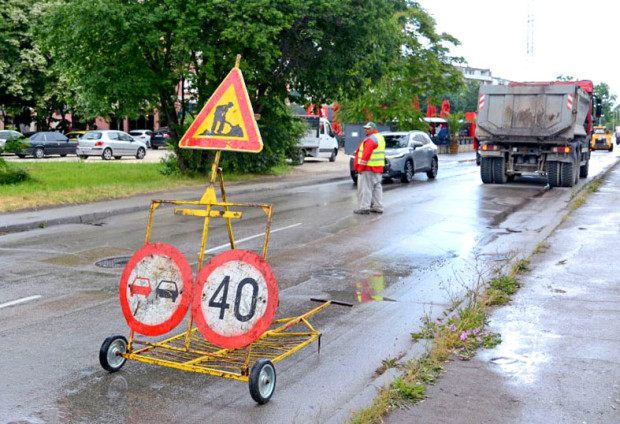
332 158
583 169
486 170
407 176
499 171
109 354
432 173
107 154
38 153
262 381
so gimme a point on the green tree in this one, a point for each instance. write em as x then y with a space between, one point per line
601 91
419 64
22 67
121 57
30 89
464 100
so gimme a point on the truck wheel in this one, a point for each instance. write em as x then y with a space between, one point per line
332 158
553 174
486 170
499 171
568 174
583 169
301 155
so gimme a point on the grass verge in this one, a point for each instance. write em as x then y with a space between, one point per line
457 335
66 183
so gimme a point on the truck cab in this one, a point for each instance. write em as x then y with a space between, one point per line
319 140
601 139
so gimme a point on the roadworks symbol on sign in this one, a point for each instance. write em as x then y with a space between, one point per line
226 122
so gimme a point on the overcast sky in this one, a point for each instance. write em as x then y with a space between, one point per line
568 39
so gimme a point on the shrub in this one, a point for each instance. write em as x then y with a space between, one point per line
10 174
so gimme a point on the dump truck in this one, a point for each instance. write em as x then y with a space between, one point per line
541 128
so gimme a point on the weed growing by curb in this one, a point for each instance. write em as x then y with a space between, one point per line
541 247
457 335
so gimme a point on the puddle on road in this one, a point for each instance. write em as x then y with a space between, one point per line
367 285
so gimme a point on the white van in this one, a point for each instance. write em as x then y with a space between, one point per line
319 141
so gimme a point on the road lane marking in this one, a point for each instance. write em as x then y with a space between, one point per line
18 301
213 249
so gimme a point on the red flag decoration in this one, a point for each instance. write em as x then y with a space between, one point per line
445 108
431 111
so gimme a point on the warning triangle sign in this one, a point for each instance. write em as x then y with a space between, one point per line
226 122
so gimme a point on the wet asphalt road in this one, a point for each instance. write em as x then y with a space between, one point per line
434 242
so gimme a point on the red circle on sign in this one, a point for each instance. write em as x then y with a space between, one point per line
220 300
141 287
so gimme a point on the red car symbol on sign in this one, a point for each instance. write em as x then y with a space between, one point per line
141 286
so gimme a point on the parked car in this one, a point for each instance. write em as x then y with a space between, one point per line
74 135
45 143
8 135
405 154
142 135
161 138
109 144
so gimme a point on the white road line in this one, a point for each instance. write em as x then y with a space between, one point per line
18 301
213 249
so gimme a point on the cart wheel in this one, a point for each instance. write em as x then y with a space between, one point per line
262 381
110 353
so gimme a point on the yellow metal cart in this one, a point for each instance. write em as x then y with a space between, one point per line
190 351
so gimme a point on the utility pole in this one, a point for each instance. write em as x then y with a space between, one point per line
530 32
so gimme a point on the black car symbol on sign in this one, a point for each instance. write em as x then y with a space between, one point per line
167 289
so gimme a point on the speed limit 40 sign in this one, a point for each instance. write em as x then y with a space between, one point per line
235 299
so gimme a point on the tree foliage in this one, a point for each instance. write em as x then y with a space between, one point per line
419 65
122 58
601 91
464 100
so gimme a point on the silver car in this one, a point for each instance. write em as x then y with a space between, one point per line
109 144
407 153
142 135
6 135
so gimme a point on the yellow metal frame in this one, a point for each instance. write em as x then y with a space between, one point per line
190 351
203 357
